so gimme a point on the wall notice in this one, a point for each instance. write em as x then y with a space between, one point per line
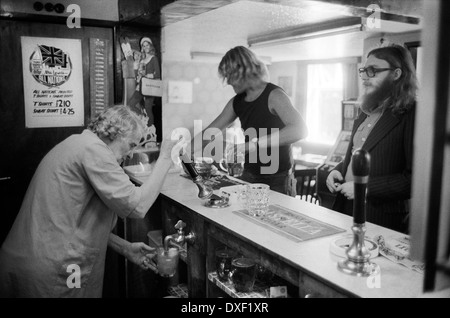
52 82
98 69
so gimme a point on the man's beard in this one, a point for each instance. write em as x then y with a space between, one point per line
371 101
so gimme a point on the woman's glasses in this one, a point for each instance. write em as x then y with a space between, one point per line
372 71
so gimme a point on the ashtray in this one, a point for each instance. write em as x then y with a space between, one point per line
218 201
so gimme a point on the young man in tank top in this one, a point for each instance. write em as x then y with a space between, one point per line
269 121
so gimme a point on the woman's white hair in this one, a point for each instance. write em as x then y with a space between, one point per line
118 121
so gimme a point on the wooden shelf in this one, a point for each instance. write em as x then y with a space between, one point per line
260 289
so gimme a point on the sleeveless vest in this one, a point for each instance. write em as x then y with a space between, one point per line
256 115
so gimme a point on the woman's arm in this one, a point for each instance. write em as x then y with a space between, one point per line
151 187
118 244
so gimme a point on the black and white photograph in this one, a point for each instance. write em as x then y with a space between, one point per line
221 153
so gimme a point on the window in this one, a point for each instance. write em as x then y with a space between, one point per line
323 108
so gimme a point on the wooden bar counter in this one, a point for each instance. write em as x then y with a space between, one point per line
308 265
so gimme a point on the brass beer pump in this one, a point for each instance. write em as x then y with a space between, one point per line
205 193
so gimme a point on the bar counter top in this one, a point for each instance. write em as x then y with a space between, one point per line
312 257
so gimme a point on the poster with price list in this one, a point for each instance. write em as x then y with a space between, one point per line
52 82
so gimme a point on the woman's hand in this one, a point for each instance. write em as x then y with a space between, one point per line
142 255
168 146
171 149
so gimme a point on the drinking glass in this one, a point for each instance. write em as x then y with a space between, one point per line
243 272
233 162
203 165
223 259
257 198
167 261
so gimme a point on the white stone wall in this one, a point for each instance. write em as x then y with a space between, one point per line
209 95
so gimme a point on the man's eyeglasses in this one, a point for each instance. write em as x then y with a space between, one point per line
372 71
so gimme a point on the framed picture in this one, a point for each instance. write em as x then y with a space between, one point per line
52 82
285 82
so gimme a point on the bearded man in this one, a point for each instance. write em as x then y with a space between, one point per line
385 129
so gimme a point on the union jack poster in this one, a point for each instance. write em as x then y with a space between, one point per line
52 82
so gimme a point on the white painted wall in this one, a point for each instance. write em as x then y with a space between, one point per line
209 95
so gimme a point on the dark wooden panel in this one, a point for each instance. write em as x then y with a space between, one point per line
141 12
314 288
272 262
172 212
23 148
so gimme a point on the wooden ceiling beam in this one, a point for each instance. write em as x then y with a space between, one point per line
165 12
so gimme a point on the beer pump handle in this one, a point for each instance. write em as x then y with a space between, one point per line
361 169
187 163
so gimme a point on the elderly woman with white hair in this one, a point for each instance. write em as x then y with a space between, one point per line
57 244
148 67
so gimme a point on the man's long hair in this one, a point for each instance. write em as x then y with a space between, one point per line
404 91
241 63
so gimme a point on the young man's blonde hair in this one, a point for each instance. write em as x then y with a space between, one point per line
241 63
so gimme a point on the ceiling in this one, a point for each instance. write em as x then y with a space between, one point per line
216 26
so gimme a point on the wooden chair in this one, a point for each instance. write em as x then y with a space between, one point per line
306 185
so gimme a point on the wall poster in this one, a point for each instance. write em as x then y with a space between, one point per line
52 82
